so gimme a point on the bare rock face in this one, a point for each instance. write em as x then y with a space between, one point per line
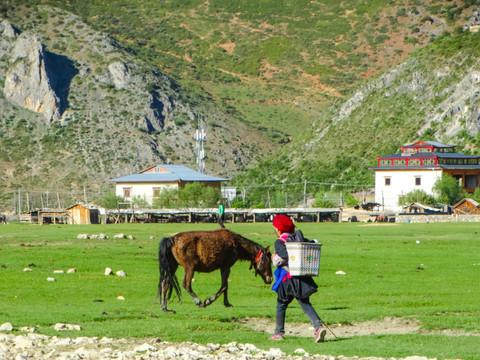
27 81
7 29
120 74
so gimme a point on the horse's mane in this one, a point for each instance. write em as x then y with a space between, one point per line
248 245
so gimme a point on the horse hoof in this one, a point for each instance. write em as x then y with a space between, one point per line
228 305
169 311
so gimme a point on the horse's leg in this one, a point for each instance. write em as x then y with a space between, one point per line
165 287
225 273
187 285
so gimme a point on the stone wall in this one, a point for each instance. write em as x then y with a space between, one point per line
419 218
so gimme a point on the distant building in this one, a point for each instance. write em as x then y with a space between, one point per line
418 166
150 182
467 207
83 214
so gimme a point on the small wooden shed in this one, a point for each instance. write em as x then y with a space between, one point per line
83 214
467 207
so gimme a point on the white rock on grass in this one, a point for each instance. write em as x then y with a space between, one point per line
83 236
121 273
66 327
6 327
120 298
119 236
58 271
144 347
340 272
108 271
27 269
50 279
28 329
131 237
71 271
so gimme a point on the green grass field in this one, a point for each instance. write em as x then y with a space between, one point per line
388 274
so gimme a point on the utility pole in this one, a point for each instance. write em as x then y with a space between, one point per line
305 194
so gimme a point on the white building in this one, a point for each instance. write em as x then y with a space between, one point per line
418 167
150 182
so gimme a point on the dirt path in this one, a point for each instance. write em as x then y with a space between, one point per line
387 326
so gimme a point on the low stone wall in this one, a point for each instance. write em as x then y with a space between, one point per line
420 218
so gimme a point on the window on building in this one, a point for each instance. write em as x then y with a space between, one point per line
387 181
156 191
471 181
400 162
127 192
414 162
418 181
428 162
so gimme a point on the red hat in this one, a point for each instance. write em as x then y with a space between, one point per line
283 223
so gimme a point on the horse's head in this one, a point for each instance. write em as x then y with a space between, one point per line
263 264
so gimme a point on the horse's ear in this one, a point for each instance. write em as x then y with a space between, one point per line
267 249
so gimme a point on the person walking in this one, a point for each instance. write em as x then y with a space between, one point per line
221 214
288 287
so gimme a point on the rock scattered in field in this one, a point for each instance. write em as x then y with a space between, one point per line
119 236
108 271
51 279
99 236
66 327
27 269
34 346
58 271
121 273
6 327
131 237
120 298
340 272
28 329
83 236
71 271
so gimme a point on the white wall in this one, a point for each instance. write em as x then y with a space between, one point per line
143 190
402 182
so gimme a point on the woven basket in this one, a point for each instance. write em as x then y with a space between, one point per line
303 258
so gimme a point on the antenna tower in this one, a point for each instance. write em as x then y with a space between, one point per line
199 137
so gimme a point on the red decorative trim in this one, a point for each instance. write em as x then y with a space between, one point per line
259 256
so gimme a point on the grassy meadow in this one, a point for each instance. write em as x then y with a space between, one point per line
388 274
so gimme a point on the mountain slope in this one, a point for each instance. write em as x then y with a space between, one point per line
256 74
434 95
118 115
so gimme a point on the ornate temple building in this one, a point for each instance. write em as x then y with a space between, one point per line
418 166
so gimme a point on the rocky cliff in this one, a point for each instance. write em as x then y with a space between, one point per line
77 109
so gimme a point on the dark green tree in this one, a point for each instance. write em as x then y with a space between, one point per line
109 200
417 196
448 190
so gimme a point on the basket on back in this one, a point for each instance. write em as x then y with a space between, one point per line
303 258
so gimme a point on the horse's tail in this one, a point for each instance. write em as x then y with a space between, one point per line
165 257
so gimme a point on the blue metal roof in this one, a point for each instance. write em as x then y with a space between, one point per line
169 173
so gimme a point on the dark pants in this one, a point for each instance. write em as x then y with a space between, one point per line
307 309
220 220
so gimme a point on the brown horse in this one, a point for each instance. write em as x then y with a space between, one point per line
206 251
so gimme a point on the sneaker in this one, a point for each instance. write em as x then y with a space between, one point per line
320 335
276 337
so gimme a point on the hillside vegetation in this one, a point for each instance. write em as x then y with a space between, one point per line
258 74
